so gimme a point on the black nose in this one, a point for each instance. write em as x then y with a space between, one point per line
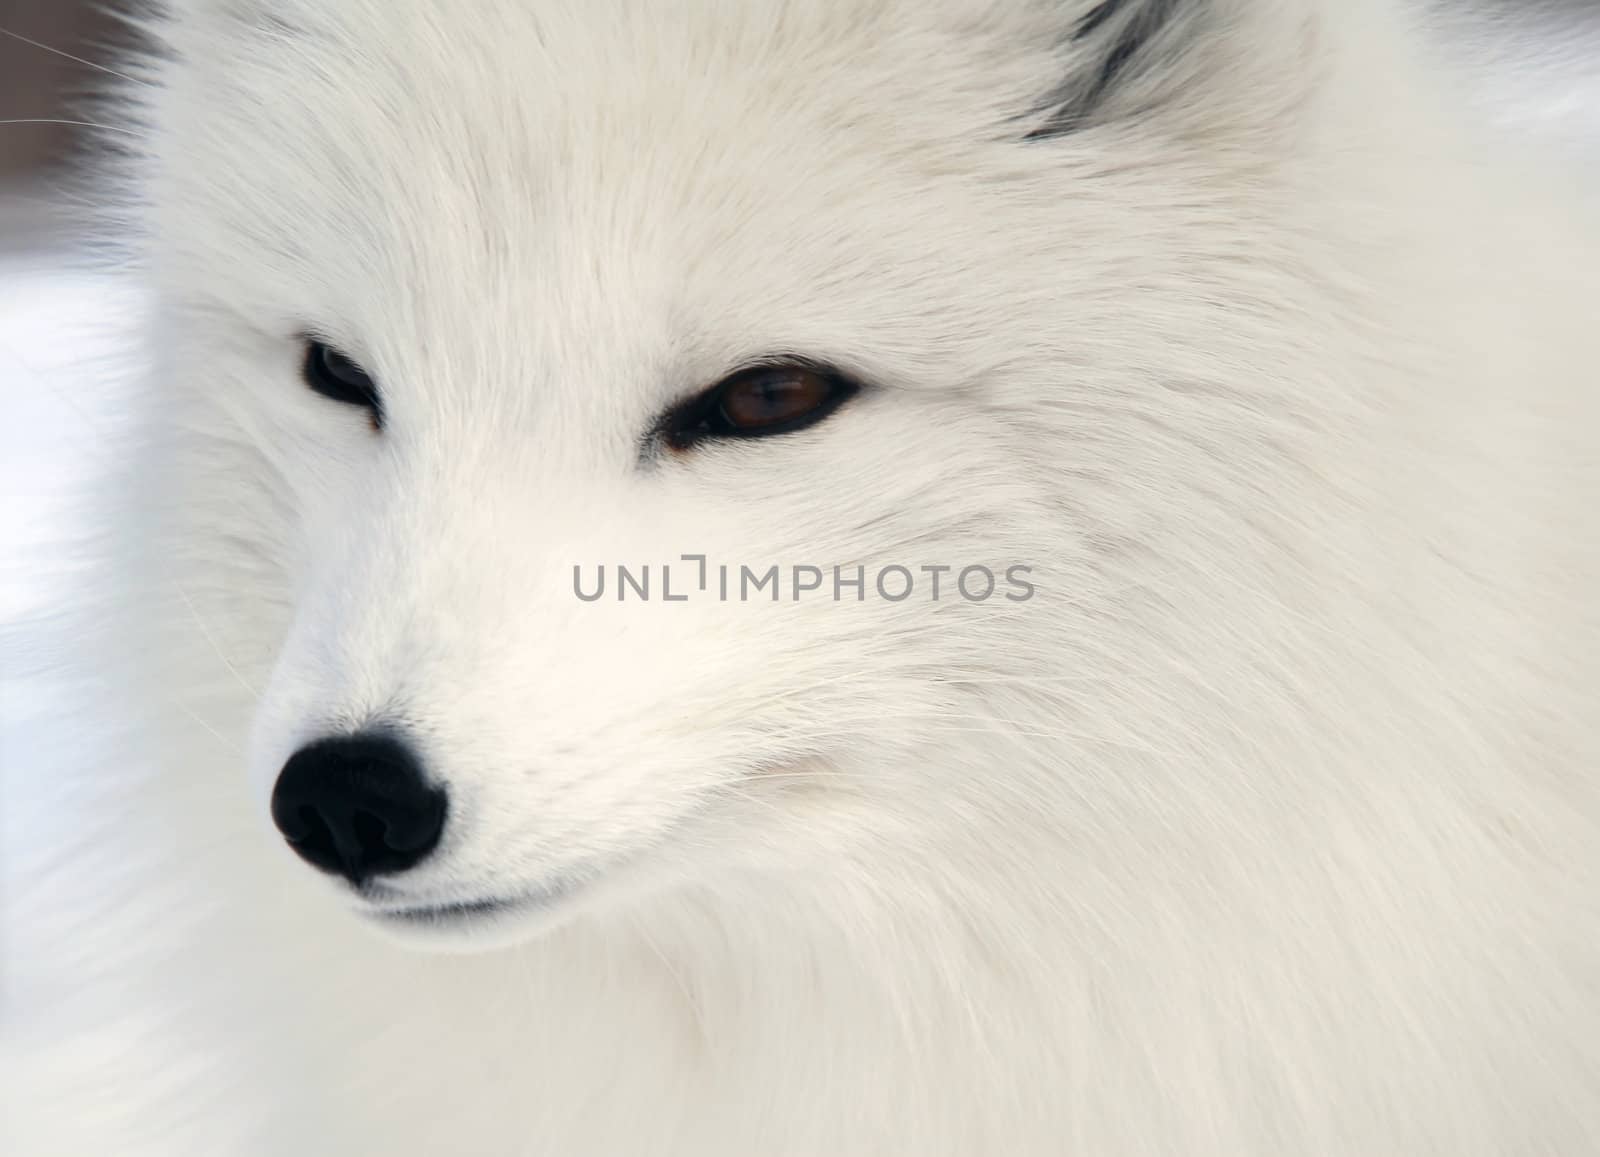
358 805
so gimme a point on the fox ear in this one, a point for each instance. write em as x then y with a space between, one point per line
1118 52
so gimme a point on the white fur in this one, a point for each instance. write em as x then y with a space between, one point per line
1270 825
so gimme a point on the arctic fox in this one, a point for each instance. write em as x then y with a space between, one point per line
1251 805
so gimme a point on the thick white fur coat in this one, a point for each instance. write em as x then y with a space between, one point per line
1270 825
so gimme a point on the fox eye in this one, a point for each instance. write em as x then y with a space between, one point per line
757 402
335 376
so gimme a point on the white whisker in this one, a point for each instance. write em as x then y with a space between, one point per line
229 746
212 643
70 124
75 59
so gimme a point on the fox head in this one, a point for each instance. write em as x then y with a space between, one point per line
699 446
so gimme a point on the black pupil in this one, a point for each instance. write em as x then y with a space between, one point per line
770 398
773 399
341 367
333 375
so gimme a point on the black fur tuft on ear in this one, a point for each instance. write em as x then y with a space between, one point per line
1112 43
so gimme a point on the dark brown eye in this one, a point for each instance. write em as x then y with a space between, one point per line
754 401
773 399
335 376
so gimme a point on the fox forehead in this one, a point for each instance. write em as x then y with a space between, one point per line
659 191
